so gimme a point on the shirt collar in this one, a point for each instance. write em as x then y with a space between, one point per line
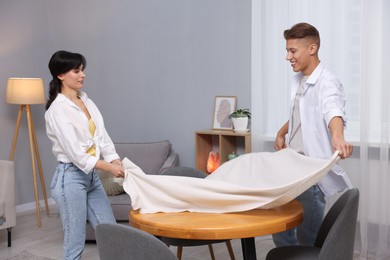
315 74
61 98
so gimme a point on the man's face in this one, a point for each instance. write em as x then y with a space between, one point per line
299 54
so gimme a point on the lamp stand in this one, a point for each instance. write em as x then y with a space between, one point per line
34 155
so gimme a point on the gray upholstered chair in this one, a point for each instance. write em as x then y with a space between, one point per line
7 197
336 237
120 242
180 243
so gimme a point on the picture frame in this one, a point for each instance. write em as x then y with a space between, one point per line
223 107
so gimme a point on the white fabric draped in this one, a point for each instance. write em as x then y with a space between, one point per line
355 40
254 180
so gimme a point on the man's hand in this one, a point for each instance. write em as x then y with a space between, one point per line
280 141
345 149
336 127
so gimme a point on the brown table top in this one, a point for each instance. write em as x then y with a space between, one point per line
210 226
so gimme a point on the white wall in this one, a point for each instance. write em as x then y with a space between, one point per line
153 67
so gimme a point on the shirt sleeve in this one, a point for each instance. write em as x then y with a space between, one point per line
333 101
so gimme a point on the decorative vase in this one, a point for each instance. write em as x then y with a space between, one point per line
240 123
232 155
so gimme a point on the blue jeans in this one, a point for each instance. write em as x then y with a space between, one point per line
79 197
313 201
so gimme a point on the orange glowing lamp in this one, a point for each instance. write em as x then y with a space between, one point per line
213 161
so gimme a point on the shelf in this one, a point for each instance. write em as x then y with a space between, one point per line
227 143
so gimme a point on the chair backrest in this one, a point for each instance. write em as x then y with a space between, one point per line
336 236
121 242
185 171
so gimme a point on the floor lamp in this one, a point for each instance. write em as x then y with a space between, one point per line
26 92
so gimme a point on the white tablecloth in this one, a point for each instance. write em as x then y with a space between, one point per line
254 180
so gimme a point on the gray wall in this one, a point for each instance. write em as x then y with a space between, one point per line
153 69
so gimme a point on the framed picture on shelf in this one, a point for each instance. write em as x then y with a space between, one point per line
223 107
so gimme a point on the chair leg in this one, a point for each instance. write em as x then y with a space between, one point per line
211 251
230 250
179 251
9 236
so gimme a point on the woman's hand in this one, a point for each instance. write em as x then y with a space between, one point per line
117 170
117 161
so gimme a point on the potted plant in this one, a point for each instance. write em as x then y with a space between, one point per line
240 119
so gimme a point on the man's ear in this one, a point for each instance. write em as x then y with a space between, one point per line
313 48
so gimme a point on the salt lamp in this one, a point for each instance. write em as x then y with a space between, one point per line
213 161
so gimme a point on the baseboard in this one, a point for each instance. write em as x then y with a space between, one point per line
24 208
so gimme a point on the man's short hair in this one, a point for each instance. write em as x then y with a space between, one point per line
303 30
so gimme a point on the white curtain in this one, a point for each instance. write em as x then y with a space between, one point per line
355 45
374 172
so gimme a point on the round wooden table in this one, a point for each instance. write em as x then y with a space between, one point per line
216 226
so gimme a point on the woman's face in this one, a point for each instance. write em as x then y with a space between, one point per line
73 79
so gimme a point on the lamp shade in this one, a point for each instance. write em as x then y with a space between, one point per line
25 91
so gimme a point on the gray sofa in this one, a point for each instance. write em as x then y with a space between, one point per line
152 157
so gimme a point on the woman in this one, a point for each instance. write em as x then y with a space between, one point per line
76 129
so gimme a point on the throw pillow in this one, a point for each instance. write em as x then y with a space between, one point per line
148 156
110 186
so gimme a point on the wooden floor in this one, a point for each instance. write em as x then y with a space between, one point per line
47 241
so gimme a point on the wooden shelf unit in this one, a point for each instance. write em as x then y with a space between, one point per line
227 143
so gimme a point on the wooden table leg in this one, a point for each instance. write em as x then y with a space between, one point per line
248 248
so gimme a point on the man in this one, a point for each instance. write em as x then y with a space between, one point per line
315 127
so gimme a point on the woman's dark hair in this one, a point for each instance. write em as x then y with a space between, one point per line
62 62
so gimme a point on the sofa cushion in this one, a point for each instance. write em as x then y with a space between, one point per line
110 186
148 156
